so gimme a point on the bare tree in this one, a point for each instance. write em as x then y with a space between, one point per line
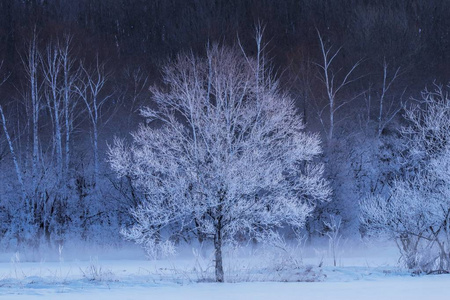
387 111
70 73
52 69
333 85
90 90
382 100
228 156
31 63
139 83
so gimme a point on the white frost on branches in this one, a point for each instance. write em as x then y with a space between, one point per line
417 214
224 153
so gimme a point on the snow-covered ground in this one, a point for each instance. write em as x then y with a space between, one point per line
363 273
429 287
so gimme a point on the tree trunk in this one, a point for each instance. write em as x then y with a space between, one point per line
96 162
58 141
331 129
67 143
14 157
218 253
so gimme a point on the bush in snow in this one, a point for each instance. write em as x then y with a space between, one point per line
417 212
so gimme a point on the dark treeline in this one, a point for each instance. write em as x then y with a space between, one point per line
76 72
407 32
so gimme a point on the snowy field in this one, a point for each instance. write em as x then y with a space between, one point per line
381 288
359 274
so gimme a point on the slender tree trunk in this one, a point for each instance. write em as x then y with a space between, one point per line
14 157
331 129
58 141
32 68
218 252
67 133
96 163
69 76
35 109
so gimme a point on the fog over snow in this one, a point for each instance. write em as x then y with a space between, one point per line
362 273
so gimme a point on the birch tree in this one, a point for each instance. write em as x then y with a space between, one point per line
59 73
52 69
223 154
90 90
70 75
31 63
333 85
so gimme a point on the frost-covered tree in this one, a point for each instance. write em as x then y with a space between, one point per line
417 213
223 154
